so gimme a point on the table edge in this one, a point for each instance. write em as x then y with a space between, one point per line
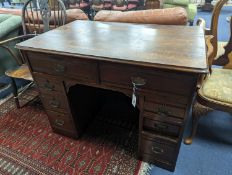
115 60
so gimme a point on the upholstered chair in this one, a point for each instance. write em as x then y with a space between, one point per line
9 28
215 89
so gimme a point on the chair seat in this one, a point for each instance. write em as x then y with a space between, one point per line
218 86
22 72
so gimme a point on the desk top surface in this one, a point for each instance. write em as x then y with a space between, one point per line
162 46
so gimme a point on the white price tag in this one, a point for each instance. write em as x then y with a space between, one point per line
133 100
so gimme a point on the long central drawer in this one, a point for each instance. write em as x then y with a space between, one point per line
122 75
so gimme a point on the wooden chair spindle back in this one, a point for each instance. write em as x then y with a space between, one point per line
39 16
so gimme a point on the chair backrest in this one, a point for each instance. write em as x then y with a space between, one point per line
225 59
39 16
214 24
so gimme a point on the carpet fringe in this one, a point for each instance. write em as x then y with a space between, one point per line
145 169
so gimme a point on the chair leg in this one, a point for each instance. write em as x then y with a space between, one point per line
195 120
15 92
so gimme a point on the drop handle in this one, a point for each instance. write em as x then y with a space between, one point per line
160 126
137 82
162 110
54 104
157 150
59 122
59 68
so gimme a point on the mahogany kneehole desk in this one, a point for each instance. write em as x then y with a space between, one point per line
162 62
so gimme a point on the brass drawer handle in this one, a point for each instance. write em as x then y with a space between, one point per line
49 86
162 110
59 68
54 104
160 126
59 122
157 150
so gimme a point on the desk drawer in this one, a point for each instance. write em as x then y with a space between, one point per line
166 81
48 84
63 66
161 127
159 150
167 98
164 110
158 162
61 121
55 102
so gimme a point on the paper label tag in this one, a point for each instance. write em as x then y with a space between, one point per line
133 100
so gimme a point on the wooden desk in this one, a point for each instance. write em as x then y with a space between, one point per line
167 59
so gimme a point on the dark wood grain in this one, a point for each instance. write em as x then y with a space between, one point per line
79 65
172 47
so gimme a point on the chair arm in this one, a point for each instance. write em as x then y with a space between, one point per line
17 38
210 50
3 44
209 55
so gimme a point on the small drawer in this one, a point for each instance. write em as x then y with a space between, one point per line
160 127
159 150
73 67
55 102
158 162
48 83
164 109
168 99
61 121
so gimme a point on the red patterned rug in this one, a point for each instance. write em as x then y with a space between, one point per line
28 146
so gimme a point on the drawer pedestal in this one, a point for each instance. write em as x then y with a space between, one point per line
163 98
